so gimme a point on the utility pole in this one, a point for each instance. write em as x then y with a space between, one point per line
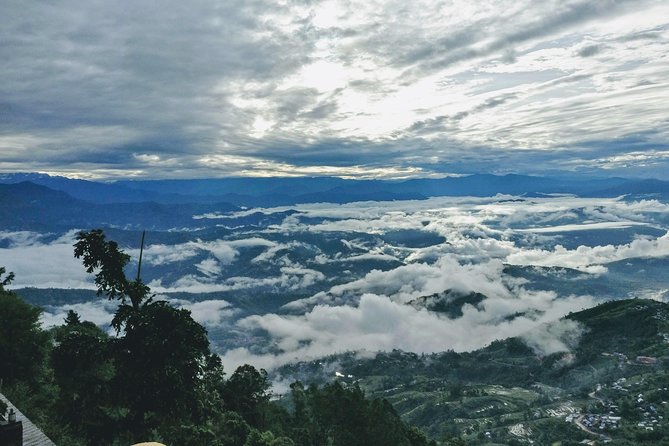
141 252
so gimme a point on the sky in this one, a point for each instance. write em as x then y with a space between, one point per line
369 89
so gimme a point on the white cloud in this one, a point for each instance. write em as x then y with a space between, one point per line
355 308
292 278
554 337
207 312
482 236
591 259
20 238
408 282
209 267
164 254
585 227
225 251
50 265
99 311
371 256
384 75
380 324
274 249
476 231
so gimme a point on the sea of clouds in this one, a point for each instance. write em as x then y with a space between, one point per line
353 269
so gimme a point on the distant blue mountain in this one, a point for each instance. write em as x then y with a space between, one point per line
29 206
290 186
485 185
311 189
250 192
284 191
97 192
266 192
639 187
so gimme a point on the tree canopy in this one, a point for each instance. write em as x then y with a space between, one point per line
23 344
158 379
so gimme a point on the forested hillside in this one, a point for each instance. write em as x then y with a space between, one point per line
608 383
155 378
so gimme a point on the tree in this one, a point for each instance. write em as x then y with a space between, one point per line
246 393
107 261
7 280
342 416
162 353
72 318
166 380
83 368
257 438
160 360
23 345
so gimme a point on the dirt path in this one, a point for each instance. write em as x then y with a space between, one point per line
579 423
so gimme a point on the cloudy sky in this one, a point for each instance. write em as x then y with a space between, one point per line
365 89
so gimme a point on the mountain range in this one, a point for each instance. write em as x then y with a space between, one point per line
39 201
279 191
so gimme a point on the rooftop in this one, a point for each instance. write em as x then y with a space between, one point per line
32 435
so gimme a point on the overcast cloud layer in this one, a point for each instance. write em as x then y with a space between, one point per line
376 89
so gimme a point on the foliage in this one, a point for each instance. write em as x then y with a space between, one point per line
158 380
104 258
83 369
159 362
159 359
7 280
342 416
23 345
246 393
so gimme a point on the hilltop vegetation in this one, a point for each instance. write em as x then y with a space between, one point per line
156 378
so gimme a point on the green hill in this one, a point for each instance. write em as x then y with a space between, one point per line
508 393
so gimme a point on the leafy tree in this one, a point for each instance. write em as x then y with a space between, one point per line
337 416
162 353
72 318
257 438
453 441
233 428
456 390
23 345
246 393
107 261
7 280
83 368
160 360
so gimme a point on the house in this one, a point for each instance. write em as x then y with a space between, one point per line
30 434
